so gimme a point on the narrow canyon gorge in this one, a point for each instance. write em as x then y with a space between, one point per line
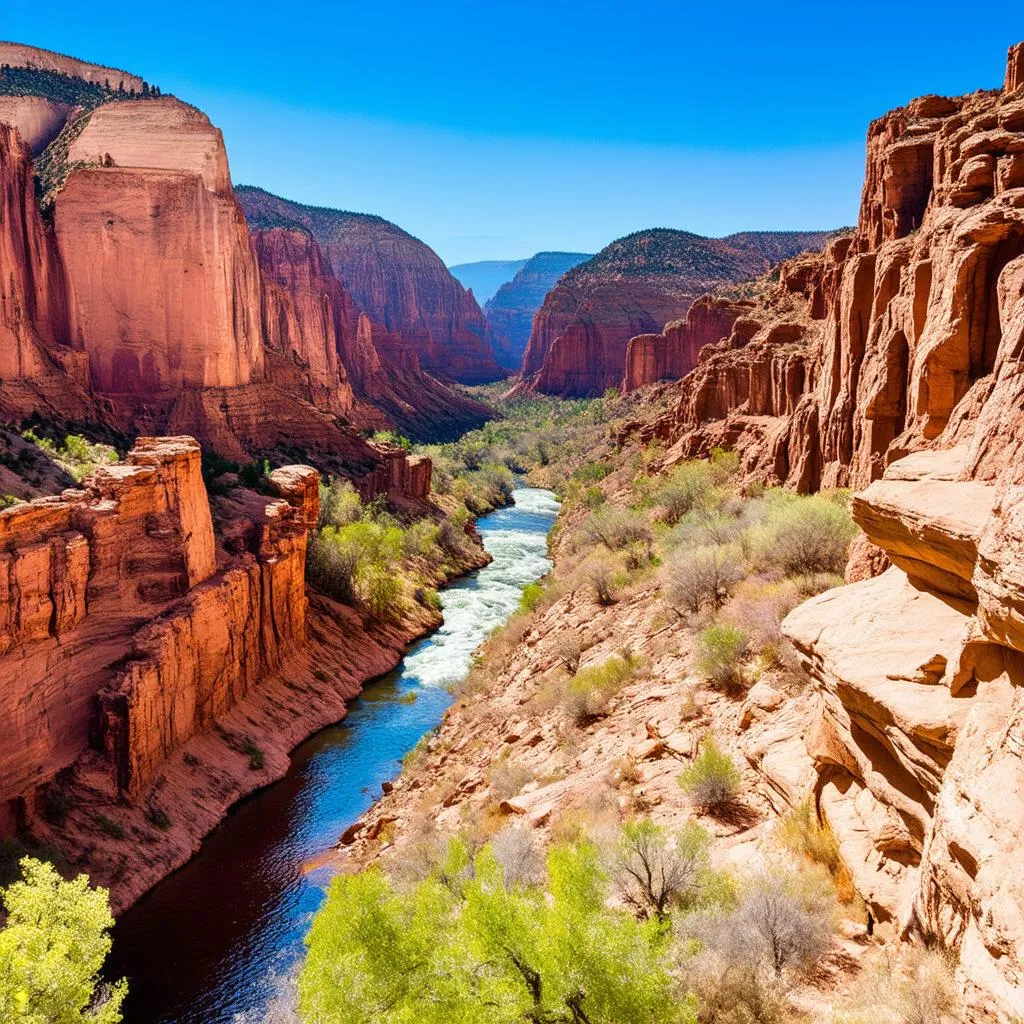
503 593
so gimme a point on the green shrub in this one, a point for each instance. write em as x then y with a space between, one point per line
159 818
616 528
592 688
688 487
724 465
254 752
340 503
383 593
531 597
712 781
429 598
478 942
721 649
803 536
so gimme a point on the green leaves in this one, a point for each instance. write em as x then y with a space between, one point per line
52 949
461 948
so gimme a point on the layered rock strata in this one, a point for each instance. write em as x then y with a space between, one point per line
891 339
918 676
634 287
144 656
674 352
397 280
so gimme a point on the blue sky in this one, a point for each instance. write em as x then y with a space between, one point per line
494 130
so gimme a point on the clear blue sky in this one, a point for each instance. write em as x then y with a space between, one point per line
493 130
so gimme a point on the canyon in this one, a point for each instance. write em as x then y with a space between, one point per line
397 280
511 309
245 340
636 285
162 652
890 363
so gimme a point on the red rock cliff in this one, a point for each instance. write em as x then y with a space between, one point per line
188 313
397 280
893 339
673 353
634 286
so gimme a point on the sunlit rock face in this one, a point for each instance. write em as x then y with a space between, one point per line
635 286
397 280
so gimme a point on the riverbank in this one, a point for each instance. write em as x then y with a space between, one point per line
136 845
207 944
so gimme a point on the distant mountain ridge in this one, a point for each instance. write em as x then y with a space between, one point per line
485 277
635 286
510 311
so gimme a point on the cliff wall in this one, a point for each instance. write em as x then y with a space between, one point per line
893 339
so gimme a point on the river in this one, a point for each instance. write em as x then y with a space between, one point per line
214 942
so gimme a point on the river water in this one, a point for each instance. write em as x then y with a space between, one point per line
214 942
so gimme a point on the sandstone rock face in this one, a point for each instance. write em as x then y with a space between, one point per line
77 574
32 312
511 310
918 677
673 353
305 314
188 314
896 337
38 120
162 133
634 286
396 280
19 55
334 355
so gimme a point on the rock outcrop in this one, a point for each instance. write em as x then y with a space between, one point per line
150 643
891 339
397 280
37 119
674 352
918 677
634 286
912 335
510 312
188 314
251 345
19 55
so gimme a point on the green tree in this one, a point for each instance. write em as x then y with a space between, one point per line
52 949
462 947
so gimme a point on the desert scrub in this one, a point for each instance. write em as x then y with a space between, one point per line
804 536
695 579
712 781
506 778
757 609
687 487
801 832
721 650
589 692
77 456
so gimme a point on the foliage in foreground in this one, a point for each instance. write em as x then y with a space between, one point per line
51 951
468 946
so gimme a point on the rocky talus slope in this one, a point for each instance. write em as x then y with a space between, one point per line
151 640
397 280
511 310
635 286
